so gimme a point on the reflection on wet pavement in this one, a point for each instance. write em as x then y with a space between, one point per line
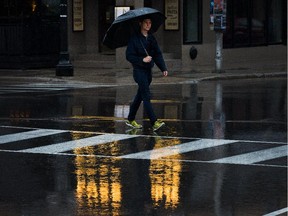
223 151
98 189
241 109
108 186
99 184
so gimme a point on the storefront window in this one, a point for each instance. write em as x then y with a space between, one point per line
257 22
10 8
274 21
254 23
26 8
192 11
241 22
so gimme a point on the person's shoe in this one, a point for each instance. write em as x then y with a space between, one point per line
158 124
133 124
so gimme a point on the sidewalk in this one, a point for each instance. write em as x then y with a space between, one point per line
124 76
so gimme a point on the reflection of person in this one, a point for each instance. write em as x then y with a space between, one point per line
142 52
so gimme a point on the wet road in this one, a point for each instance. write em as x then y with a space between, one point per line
67 151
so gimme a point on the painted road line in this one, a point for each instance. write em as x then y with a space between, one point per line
80 143
13 90
255 157
281 211
29 89
178 149
28 135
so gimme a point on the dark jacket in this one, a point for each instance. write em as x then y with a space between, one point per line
135 52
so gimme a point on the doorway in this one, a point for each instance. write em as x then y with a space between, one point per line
106 18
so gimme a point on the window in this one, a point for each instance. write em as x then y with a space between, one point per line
241 22
29 27
192 11
254 23
28 8
275 15
258 11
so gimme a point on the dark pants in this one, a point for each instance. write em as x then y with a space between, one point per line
143 78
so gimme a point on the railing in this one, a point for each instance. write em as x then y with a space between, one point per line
11 39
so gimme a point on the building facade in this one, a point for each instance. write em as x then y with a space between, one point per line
256 31
29 33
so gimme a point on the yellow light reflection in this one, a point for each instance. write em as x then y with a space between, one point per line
34 5
98 183
165 178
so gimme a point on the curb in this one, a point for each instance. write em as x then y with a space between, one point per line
238 76
127 80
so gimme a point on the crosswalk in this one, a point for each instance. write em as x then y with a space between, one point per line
125 146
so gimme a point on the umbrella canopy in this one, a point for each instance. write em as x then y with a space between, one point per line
127 24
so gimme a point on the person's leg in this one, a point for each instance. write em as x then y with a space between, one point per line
135 106
156 124
144 80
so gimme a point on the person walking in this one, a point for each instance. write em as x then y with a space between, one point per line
142 52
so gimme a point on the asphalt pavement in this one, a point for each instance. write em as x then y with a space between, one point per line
53 163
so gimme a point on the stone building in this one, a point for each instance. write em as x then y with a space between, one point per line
256 32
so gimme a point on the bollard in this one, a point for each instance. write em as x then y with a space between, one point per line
64 67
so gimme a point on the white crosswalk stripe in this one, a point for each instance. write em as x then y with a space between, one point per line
178 149
70 145
28 135
279 212
255 157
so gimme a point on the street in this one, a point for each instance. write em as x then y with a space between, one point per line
65 150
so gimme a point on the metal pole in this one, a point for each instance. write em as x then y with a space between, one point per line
64 67
218 56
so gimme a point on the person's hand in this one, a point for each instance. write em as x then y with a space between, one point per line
147 59
165 73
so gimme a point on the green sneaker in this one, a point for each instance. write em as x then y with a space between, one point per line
133 124
158 124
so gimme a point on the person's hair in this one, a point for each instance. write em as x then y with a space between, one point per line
141 19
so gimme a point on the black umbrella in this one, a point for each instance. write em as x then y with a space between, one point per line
127 24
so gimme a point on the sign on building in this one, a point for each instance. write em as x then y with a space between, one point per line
218 15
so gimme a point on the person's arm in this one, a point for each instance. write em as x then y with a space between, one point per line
158 58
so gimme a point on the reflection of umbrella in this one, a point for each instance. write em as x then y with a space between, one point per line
127 24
